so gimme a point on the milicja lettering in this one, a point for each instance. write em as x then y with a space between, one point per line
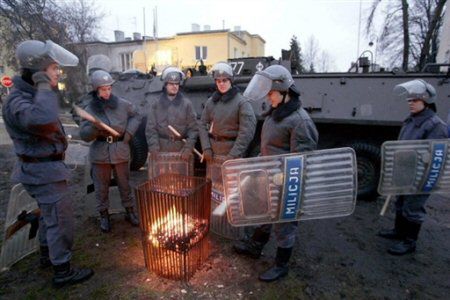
293 187
435 168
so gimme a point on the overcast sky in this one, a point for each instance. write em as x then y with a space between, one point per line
333 23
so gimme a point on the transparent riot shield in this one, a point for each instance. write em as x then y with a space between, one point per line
16 243
413 167
170 163
283 188
219 223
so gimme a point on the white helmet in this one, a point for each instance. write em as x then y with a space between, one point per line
275 77
100 78
416 89
222 69
37 55
172 74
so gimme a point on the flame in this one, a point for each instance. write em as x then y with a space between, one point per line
176 231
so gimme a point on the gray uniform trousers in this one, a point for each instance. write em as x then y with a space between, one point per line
284 233
101 176
56 223
421 126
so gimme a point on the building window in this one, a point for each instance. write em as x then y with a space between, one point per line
201 52
235 53
126 59
2 70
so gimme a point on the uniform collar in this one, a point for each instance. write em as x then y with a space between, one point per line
24 86
217 96
421 117
165 101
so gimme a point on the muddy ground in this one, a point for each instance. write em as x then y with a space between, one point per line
334 258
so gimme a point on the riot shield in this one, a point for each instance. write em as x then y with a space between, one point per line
283 188
169 163
219 223
16 242
412 167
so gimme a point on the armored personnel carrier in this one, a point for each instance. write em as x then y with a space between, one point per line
350 109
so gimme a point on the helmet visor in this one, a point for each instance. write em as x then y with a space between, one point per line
60 55
258 87
411 90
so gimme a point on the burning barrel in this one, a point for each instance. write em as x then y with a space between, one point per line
174 211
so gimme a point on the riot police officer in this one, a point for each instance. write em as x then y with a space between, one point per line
422 124
109 153
31 119
287 128
228 123
172 109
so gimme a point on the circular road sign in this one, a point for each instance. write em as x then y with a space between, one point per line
6 81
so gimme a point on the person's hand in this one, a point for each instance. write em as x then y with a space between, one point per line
207 155
41 81
127 137
186 154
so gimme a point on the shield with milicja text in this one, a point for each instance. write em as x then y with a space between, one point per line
283 188
413 167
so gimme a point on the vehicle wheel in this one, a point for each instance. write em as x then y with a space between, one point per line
368 158
139 151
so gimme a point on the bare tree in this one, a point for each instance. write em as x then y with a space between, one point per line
409 30
325 62
311 52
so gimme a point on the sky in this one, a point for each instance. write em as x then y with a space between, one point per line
333 23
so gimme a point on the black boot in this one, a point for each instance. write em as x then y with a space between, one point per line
408 244
44 259
105 223
65 275
252 247
280 269
397 233
131 217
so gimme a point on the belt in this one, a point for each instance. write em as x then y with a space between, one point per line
171 138
221 138
110 139
29 159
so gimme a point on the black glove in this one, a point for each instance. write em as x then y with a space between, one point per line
41 81
186 154
127 137
207 155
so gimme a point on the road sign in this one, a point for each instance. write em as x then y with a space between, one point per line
6 81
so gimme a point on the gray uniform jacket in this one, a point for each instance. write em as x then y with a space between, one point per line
180 114
233 124
422 126
31 119
425 125
119 114
294 133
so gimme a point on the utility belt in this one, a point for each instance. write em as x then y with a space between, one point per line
30 159
218 138
110 139
171 138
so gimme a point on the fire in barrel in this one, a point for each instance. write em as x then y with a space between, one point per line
175 212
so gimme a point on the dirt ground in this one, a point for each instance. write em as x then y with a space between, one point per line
334 258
